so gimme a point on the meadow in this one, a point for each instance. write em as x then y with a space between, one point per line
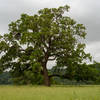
50 93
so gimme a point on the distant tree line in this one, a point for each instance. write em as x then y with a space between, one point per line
82 74
5 78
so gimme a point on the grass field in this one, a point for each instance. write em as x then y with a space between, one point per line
50 93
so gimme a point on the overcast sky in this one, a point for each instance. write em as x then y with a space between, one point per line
86 12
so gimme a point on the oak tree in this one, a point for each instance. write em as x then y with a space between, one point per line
33 40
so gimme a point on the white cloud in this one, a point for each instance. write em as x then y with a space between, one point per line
94 49
50 64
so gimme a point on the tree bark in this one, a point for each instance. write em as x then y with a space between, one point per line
46 77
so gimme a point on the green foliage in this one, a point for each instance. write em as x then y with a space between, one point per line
74 75
86 73
5 78
32 41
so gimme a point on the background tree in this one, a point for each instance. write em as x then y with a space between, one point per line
32 41
5 78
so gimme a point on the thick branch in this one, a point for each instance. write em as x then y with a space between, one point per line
54 75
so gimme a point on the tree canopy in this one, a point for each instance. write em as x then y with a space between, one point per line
34 40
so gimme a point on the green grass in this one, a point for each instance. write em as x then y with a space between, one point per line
50 93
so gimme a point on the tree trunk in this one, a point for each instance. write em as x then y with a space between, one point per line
46 77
